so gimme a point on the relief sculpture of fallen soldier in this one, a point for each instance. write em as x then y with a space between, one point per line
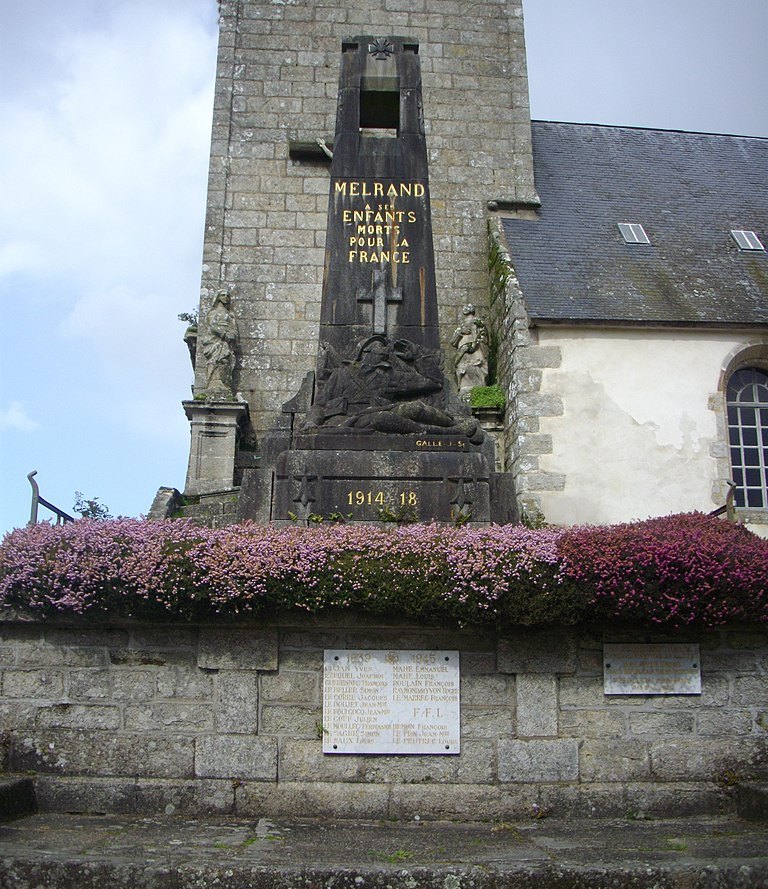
390 387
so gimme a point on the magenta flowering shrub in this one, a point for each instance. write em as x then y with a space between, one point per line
678 571
128 567
97 565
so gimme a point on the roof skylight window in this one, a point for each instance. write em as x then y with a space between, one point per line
633 233
746 240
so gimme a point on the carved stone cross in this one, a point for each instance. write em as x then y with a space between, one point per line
380 294
306 494
462 497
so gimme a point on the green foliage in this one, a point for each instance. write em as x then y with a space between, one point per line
191 318
395 857
90 508
460 518
533 520
488 396
399 515
498 265
493 355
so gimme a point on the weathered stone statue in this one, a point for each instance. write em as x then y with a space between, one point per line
219 342
471 343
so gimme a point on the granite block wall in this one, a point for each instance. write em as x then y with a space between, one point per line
228 719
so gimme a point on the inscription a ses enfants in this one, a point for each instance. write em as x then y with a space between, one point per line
377 229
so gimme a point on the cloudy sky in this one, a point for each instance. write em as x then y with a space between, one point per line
105 112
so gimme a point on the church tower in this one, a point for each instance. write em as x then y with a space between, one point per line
266 257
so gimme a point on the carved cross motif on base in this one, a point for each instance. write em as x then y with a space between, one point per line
381 294
306 494
462 498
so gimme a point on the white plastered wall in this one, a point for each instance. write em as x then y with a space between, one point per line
636 435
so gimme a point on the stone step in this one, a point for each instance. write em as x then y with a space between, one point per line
107 852
17 797
752 801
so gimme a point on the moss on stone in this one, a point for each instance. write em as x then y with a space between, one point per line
488 396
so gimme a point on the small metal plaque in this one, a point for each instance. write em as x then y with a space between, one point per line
391 702
651 670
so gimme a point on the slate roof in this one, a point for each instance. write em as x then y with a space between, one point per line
688 190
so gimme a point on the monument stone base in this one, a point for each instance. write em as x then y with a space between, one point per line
215 426
384 485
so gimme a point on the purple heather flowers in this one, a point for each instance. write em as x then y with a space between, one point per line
685 570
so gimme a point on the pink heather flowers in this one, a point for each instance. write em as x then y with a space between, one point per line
675 571
678 571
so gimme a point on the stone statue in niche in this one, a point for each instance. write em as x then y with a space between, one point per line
388 386
218 344
471 343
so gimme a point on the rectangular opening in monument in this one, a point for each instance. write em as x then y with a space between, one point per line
380 113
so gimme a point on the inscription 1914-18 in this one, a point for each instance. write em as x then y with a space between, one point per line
379 498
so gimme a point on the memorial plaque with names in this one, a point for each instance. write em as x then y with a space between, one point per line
391 702
651 670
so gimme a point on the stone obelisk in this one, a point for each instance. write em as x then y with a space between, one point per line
384 436
380 268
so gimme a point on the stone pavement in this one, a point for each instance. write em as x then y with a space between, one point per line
118 852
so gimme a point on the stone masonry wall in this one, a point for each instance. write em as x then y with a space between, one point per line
227 719
520 363
265 229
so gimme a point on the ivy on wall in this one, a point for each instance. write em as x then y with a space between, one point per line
676 571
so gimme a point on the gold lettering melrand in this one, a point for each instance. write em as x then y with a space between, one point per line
377 231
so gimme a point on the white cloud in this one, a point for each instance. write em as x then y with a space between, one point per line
105 115
19 256
15 418
103 184
687 64
110 159
125 336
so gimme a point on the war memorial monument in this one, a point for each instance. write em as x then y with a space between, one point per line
376 430
369 164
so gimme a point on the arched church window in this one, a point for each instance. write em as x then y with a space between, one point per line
747 402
